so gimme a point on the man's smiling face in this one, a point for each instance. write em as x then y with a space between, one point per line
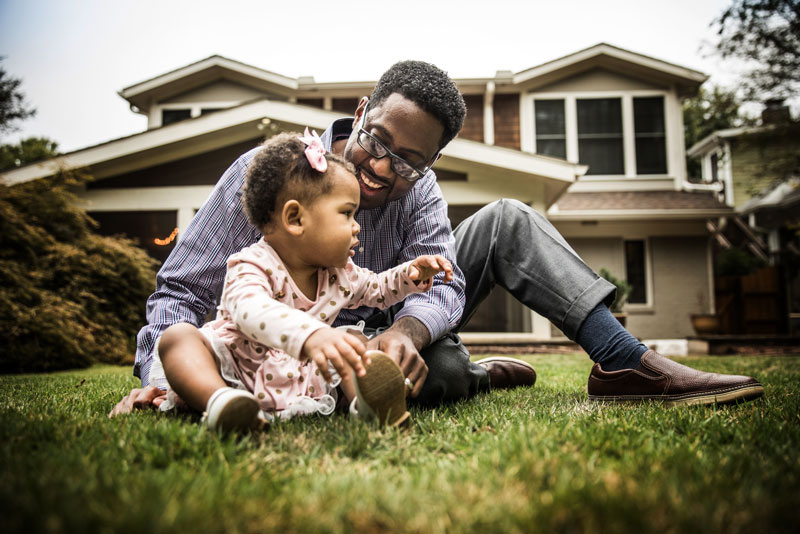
404 128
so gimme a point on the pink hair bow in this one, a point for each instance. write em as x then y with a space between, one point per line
315 151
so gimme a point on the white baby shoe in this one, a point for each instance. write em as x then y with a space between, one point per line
231 409
381 393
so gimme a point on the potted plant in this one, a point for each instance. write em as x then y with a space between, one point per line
704 323
623 291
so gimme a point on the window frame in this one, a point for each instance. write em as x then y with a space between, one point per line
648 273
528 127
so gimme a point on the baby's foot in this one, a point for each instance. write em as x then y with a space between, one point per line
381 393
230 410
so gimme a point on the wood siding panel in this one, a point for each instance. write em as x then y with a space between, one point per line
313 102
203 169
506 121
473 123
345 105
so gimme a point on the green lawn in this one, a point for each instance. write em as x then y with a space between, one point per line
529 460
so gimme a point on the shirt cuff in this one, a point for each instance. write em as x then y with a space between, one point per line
432 317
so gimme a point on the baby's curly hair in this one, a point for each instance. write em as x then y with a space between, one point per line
428 87
280 172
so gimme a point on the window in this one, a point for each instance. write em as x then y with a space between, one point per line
551 134
600 135
168 116
714 167
648 124
616 134
635 271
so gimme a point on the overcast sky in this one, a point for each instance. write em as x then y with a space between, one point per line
75 55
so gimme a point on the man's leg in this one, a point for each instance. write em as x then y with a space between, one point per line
510 244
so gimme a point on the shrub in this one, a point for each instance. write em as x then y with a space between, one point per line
71 297
623 290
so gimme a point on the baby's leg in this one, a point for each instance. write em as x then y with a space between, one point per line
346 385
189 365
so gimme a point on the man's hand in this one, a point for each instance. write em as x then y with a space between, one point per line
138 399
424 268
343 350
402 343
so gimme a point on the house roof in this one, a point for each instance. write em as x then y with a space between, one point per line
637 205
784 195
710 141
222 128
614 58
143 94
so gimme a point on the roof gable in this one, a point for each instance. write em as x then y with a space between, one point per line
614 59
202 73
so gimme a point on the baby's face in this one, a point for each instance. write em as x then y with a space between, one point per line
332 227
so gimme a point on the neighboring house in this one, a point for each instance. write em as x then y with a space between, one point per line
603 125
757 172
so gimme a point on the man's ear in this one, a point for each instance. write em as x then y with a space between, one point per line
362 105
292 217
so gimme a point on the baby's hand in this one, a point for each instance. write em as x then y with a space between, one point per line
424 268
343 350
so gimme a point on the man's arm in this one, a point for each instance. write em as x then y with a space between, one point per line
427 316
402 342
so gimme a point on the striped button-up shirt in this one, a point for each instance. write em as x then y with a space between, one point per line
190 281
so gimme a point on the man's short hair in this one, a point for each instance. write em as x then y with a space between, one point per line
430 88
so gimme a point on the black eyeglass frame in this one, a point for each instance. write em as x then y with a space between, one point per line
393 157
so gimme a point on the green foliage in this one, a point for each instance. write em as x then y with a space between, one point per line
27 151
623 290
735 262
541 459
766 34
71 297
710 110
12 102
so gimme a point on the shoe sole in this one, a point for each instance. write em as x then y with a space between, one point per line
381 393
239 414
722 397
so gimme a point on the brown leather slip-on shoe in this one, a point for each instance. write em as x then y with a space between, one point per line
659 378
507 373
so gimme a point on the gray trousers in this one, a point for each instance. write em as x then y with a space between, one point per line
510 244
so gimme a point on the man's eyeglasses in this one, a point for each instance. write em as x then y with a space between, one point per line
378 150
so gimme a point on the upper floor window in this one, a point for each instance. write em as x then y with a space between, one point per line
603 133
651 142
600 135
551 132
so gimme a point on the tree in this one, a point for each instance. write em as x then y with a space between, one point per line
27 151
766 34
12 102
710 110
69 296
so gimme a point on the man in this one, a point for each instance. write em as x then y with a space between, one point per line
394 139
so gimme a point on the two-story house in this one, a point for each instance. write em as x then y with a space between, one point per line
593 139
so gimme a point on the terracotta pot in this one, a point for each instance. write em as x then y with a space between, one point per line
705 323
